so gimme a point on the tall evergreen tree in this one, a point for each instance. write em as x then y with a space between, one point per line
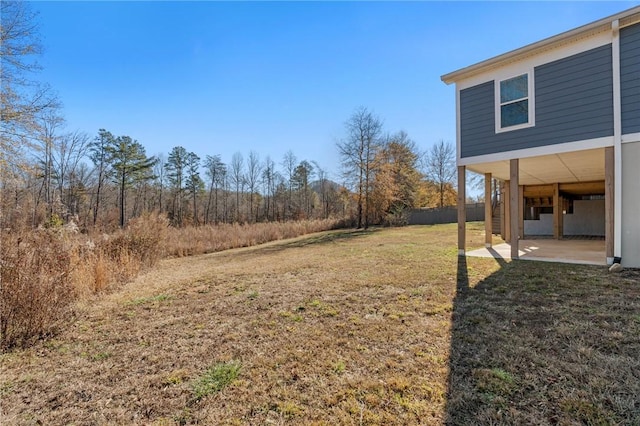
215 170
175 167
301 176
130 165
193 183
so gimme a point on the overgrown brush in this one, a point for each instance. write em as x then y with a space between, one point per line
36 292
137 247
208 239
43 272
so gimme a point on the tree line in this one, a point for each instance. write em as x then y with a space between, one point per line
50 175
389 174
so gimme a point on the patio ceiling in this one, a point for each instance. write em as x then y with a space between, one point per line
575 166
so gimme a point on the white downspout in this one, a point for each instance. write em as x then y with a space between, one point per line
617 142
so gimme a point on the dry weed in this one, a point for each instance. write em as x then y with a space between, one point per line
35 291
208 239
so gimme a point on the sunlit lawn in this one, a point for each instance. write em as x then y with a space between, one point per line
344 327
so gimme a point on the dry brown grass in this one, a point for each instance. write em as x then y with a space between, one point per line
35 291
44 272
192 240
544 343
343 327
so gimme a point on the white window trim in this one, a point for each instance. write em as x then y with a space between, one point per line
531 99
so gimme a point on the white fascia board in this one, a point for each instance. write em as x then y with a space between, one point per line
529 63
538 151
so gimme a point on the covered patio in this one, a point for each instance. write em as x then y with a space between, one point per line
538 195
585 252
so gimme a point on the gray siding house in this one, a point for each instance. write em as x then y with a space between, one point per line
557 122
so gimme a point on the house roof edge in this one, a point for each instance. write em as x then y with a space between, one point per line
627 17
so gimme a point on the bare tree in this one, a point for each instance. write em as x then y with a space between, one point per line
22 99
99 154
160 177
237 179
48 125
358 151
268 180
440 167
254 168
68 152
289 165
77 190
323 186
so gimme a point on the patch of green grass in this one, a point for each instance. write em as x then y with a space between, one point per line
339 367
101 356
323 308
253 295
289 409
585 411
6 388
150 299
315 303
175 377
215 379
494 380
290 315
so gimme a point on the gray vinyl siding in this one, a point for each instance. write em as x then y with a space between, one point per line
574 101
630 78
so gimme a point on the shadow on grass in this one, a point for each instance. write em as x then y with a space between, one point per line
545 343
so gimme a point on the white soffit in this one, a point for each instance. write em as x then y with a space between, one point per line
576 166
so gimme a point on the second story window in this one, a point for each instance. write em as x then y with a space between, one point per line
514 103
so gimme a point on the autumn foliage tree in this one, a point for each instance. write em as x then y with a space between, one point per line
397 180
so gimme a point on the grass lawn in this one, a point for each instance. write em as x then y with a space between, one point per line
343 327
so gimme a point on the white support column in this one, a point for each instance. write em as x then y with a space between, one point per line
514 214
488 211
609 184
462 210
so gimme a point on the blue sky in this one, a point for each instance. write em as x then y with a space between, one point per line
225 77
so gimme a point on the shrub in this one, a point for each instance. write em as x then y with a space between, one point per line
42 273
36 294
137 247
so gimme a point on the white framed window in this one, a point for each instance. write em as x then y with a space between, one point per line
514 101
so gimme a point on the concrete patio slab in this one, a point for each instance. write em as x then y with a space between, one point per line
586 252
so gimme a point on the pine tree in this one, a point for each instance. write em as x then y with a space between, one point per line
129 165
